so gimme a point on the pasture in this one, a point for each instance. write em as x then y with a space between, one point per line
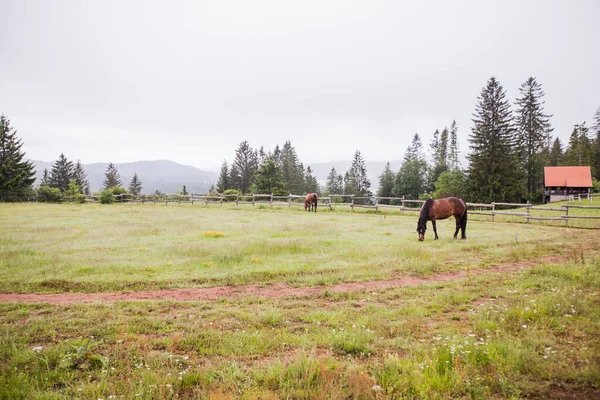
513 311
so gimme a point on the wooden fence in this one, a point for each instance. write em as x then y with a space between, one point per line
375 203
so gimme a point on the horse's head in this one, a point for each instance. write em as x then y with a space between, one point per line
421 228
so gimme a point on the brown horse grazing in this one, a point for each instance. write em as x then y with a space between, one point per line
442 209
310 202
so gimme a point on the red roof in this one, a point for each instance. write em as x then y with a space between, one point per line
568 176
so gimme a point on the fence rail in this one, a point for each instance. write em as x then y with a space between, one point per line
374 203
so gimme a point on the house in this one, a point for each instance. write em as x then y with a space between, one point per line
561 182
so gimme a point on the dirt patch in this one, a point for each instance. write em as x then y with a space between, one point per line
274 290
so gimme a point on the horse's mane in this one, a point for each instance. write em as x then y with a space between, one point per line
424 214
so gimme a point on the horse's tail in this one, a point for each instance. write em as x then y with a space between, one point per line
315 201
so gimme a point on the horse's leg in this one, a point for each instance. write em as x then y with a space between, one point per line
457 225
434 228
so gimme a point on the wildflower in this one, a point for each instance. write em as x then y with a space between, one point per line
37 349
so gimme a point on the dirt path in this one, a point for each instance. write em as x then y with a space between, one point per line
260 291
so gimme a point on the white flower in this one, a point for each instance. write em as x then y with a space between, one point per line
37 349
524 326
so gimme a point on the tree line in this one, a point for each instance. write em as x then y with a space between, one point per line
508 149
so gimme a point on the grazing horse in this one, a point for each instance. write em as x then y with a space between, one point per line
442 209
310 202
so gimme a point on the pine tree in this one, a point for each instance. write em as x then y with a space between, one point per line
269 178
494 173
580 150
135 186
596 130
556 153
292 174
386 184
311 183
244 167
358 181
80 178
184 191
45 178
62 173
111 177
440 156
332 184
533 129
16 175
453 153
411 179
223 184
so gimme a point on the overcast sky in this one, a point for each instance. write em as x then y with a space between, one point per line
188 81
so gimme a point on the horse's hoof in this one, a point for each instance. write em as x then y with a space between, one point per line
420 239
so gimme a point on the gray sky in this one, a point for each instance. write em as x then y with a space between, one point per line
188 81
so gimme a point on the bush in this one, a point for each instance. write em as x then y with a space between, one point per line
107 196
231 192
46 194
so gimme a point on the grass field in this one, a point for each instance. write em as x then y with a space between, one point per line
532 332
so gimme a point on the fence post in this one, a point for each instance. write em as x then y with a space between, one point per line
271 200
493 211
567 214
528 212
253 200
237 200
402 208
352 202
290 200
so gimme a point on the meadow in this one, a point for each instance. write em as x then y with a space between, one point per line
523 332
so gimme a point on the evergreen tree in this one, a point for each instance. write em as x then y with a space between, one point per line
269 178
340 184
45 178
533 130
411 179
62 173
277 155
440 155
358 181
16 175
332 183
494 173
293 176
184 191
311 183
244 167
580 150
556 153
80 178
453 151
111 177
386 184
596 155
223 183
135 186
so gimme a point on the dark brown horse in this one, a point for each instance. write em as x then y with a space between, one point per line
442 209
310 202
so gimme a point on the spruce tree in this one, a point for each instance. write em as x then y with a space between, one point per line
453 152
440 155
411 179
16 175
533 130
292 175
580 150
62 173
311 183
223 182
111 177
386 184
269 178
184 191
494 173
556 153
243 170
358 181
80 178
596 155
45 178
335 182
135 186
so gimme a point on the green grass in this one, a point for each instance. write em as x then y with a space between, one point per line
533 332
90 248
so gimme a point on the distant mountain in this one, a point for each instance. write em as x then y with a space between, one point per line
374 170
166 176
